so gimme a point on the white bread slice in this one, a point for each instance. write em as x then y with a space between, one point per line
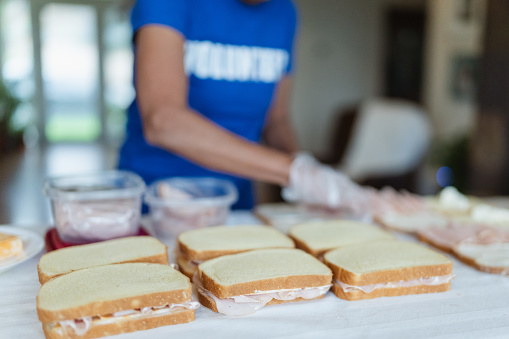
112 288
212 242
320 236
491 258
382 261
262 270
124 250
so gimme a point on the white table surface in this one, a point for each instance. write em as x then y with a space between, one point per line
476 307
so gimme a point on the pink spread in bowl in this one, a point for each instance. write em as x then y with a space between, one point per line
95 207
182 204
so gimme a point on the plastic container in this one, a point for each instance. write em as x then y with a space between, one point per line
181 204
95 207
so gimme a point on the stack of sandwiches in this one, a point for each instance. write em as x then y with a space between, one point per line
111 287
113 299
368 262
125 285
197 246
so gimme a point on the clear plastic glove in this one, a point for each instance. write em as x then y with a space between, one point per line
312 183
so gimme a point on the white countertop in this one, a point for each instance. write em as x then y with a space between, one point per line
476 307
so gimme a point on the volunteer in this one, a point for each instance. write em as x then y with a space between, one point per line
212 79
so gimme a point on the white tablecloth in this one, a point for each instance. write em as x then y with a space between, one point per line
476 307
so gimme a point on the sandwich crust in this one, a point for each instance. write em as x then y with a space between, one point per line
388 292
210 303
122 326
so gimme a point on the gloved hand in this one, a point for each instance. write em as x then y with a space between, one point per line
313 183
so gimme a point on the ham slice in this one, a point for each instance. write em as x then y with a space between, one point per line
457 234
428 281
476 233
247 304
81 326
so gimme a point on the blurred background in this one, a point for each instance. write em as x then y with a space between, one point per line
406 93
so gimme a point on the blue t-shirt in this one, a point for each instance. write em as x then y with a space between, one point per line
235 54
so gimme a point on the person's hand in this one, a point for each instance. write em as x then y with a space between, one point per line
313 183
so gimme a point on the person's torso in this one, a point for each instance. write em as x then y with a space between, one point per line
235 54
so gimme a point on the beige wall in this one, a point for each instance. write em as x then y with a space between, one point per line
449 36
339 55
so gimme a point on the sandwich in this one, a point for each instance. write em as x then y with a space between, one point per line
284 216
316 238
113 299
412 222
484 246
197 246
242 283
405 212
123 250
10 246
490 258
412 214
445 239
386 268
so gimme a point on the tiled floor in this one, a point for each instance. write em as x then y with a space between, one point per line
22 176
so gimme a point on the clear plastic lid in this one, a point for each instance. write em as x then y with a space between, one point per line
96 186
179 192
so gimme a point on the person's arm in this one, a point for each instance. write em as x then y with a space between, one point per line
278 132
169 123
